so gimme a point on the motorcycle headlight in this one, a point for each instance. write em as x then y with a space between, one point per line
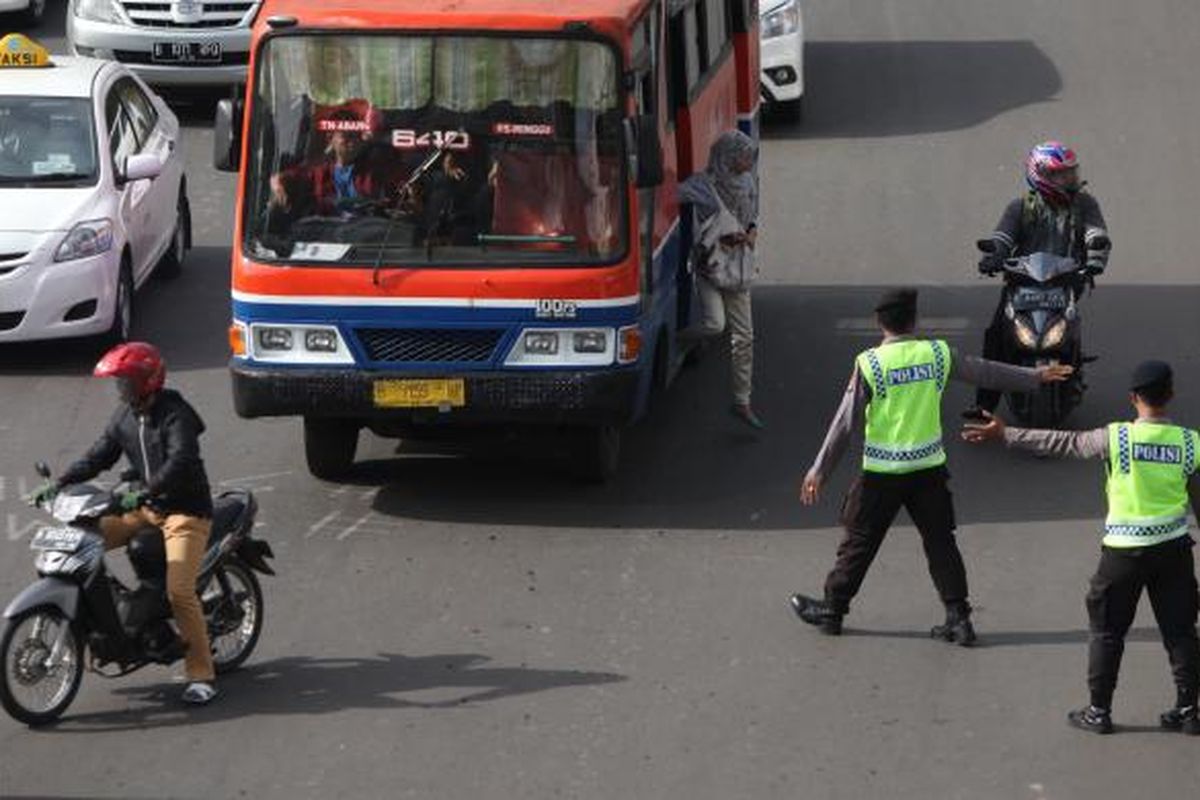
1054 334
782 20
86 239
1025 334
98 11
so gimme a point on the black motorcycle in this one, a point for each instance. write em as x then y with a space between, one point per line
1040 301
77 609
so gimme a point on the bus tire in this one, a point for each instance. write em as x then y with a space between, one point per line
329 446
597 453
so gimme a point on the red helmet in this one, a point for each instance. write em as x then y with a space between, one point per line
140 362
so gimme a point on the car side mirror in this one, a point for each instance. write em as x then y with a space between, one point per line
227 135
641 141
1099 243
140 166
986 245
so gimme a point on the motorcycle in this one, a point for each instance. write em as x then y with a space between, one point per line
1040 301
77 608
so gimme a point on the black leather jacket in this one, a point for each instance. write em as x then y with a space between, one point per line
1029 225
163 449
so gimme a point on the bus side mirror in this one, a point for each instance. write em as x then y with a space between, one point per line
227 135
641 140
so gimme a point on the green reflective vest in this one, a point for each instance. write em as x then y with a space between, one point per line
904 416
1149 465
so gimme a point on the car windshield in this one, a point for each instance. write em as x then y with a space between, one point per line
394 150
46 141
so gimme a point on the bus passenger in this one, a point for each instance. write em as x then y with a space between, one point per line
725 199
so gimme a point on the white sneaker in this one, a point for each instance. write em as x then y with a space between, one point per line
199 693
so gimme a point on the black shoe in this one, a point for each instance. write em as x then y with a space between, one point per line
956 629
1183 719
1090 718
819 613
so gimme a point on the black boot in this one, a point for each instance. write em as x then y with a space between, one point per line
957 628
1091 718
1181 718
819 613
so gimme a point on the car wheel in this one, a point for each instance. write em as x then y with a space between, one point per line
34 12
171 264
122 322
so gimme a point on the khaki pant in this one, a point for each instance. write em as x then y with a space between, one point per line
717 307
186 539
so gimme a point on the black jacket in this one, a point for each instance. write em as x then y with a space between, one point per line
1029 225
163 449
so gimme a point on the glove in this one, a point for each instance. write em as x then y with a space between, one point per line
132 500
44 495
991 263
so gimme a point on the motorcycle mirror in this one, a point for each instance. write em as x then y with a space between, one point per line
986 245
42 469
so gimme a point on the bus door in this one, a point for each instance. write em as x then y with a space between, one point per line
745 24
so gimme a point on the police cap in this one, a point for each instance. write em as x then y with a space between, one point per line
1150 374
897 298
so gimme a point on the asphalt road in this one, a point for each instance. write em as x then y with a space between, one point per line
482 627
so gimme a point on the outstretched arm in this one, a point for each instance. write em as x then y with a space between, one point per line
1059 444
1003 377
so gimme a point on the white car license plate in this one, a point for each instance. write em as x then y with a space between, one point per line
65 540
186 53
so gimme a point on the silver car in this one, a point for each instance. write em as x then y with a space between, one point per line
167 42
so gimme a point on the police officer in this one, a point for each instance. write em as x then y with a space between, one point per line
1152 468
897 388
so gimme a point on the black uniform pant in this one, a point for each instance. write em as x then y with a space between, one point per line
1168 574
869 510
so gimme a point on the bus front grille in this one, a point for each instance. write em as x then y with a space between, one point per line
429 345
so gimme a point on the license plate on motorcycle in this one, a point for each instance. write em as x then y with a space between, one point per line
420 393
64 540
186 53
1040 300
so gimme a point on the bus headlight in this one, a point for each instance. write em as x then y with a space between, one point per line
541 343
1054 335
275 338
590 341
321 340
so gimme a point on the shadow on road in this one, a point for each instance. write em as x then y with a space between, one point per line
989 639
306 686
869 89
690 465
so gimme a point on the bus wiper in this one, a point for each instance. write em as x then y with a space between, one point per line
417 174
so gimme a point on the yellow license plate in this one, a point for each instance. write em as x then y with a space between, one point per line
420 393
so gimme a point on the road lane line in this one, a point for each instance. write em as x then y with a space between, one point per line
316 527
866 326
358 523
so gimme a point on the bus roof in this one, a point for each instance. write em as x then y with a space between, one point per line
496 14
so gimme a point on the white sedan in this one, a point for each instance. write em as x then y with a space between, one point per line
93 192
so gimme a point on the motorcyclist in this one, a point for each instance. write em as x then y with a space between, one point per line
1054 216
158 433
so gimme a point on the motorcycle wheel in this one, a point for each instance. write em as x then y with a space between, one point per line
1045 407
31 691
234 624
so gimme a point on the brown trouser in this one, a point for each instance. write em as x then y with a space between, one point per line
186 539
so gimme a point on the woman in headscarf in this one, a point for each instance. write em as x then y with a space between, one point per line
724 199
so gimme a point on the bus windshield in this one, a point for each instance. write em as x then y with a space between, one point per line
391 149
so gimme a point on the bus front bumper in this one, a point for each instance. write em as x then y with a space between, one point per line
558 397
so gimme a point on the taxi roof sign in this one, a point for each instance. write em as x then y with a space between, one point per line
17 50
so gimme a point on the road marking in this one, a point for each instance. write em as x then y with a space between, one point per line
253 478
936 326
16 532
316 527
351 529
